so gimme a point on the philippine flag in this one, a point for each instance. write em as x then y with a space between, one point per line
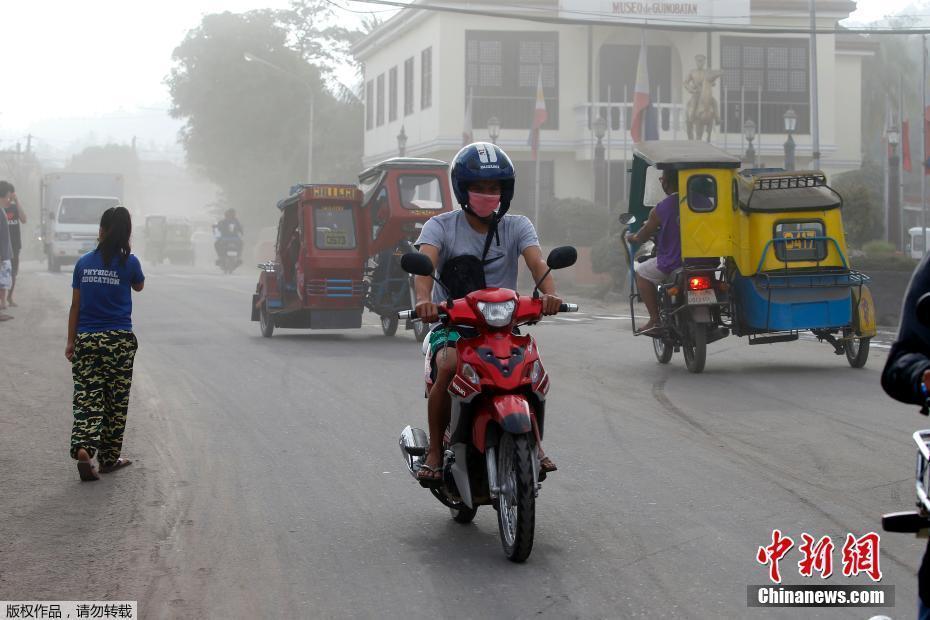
640 94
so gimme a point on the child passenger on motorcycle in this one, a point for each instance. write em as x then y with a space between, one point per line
483 182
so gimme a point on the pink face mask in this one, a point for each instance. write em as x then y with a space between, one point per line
483 204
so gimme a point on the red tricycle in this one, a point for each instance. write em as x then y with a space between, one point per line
317 278
338 248
400 195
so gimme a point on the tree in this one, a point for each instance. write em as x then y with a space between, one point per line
246 123
862 203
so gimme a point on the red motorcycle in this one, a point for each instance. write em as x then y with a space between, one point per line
498 407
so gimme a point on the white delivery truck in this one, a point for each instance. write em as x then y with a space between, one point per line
72 203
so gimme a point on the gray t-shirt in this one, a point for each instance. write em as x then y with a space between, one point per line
454 236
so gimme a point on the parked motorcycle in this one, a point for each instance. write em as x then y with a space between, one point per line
229 253
490 454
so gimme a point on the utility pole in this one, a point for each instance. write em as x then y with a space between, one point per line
815 121
923 148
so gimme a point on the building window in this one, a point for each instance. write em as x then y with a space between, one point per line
502 70
408 86
779 67
380 102
392 94
369 104
426 78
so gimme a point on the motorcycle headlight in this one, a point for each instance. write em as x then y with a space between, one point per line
497 314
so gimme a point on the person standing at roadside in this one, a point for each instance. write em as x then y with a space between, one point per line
101 345
6 250
15 216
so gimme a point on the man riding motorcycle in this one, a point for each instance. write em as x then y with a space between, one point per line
664 225
228 230
906 378
483 180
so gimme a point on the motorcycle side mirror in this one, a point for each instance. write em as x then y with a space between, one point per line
627 219
923 309
562 257
559 258
417 263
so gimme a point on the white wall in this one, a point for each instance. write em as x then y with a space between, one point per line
421 126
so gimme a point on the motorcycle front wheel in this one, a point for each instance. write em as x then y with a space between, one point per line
516 510
663 350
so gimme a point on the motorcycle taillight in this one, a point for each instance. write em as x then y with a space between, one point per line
699 283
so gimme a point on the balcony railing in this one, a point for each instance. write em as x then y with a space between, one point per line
672 126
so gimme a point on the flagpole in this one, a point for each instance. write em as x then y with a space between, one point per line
610 122
902 234
885 174
726 113
742 121
536 200
759 132
923 149
626 99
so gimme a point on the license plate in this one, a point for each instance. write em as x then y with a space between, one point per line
700 298
232 253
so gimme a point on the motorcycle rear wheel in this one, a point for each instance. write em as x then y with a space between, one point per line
516 513
695 350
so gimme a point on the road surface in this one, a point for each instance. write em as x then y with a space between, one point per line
268 482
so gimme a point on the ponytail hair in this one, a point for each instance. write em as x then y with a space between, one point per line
115 229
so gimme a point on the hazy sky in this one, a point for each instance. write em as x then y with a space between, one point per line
86 58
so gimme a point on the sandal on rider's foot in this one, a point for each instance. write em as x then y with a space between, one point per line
429 476
86 471
546 465
120 463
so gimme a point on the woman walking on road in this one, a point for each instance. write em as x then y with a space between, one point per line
101 345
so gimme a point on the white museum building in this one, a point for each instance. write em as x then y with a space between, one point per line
424 69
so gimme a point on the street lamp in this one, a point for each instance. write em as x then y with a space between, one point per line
599 126
494 129
791 123
402 142
749 132
253 58
894 189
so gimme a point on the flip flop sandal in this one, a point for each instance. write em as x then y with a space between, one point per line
544 469
86 471
431 481
120 463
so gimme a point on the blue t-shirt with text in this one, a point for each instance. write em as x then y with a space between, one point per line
106 296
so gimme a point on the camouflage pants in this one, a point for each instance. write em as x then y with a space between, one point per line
102 371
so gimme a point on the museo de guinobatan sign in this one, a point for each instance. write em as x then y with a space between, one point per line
672 12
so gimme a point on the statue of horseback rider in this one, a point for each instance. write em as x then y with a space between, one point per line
701 114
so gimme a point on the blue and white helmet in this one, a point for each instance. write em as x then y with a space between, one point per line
483 161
